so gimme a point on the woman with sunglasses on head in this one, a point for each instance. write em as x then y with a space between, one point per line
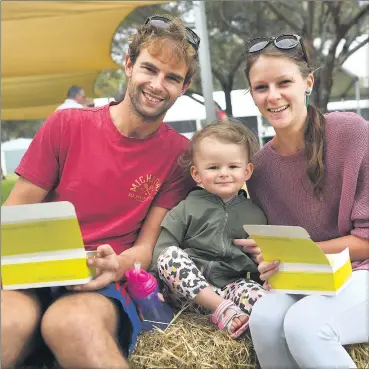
314 174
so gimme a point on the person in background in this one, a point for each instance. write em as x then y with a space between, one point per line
314 174
90 103
119 166
76 99
195 257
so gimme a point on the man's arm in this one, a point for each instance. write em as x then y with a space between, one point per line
25 192
143 247
112 267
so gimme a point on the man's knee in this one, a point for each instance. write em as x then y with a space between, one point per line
61 323
20 314
73 318
20 317
81 329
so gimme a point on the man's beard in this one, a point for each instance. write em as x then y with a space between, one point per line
134 93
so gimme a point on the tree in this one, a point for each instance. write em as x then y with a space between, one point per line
110 83
329 29
229 22
222 47
11 129
334 24
113 83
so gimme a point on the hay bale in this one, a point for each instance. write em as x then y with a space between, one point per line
192 342
360 354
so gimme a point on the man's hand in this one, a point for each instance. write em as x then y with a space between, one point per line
248 246
106 263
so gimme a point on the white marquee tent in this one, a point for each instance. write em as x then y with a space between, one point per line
12 152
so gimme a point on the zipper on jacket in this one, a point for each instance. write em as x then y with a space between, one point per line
222 233
207 270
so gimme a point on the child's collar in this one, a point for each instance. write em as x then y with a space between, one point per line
241 191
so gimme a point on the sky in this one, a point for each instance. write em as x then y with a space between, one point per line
358 62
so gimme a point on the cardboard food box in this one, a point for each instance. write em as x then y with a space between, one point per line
42 246
304 268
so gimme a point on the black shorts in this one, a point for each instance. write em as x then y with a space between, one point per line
130 323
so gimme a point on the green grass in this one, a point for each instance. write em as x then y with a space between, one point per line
6 186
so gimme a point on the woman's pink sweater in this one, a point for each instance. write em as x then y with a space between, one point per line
280 186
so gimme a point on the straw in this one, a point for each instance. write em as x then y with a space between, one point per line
137 266
192 342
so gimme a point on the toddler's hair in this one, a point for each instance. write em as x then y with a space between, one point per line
229 130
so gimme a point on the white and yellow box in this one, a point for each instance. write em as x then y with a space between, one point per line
42 246
304 268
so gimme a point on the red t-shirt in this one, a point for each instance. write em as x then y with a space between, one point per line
78 155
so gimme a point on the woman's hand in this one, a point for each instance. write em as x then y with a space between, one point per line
266 269
106 263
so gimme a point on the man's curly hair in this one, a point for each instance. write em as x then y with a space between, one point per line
154 40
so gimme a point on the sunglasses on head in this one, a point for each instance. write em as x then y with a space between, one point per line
282 42
162 22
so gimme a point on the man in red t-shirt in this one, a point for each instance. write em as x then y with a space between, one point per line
118 165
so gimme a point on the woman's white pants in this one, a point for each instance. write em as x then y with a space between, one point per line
295 331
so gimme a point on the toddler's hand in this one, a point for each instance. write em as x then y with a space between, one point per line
248 246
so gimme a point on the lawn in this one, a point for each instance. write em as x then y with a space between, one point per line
6 186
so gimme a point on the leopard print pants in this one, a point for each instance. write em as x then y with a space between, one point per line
183 281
